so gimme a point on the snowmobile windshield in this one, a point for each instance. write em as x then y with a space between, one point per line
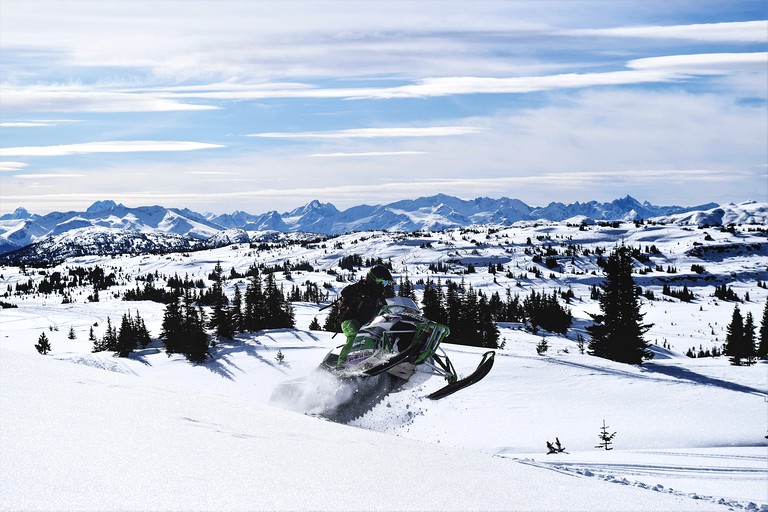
397 305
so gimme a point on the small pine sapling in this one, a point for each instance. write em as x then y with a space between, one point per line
555 448
280 357
43 346
606 439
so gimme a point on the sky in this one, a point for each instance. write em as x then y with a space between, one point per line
224 105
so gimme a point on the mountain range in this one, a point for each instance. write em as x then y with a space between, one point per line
108 227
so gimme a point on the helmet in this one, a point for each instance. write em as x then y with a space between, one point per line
379 274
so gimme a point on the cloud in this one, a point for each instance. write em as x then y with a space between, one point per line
730 32
49 176
12 166
369 153
106 147
705 63
26 124
374 133
79 98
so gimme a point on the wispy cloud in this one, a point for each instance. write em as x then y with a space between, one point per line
81 98
735 32
369 153
37 123
12 166
374 133
46 176
705 63
106 147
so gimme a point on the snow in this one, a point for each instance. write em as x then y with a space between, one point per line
93 432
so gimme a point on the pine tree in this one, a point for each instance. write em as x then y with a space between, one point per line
197 343
734 339
606 439
254 314
749 339
762 349
71 335
221 320
432 302
109 341
43 346
140 330
236 311
617 333
278 311
171 330
126 338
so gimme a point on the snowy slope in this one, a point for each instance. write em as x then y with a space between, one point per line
92 431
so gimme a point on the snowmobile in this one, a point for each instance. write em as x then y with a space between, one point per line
384 355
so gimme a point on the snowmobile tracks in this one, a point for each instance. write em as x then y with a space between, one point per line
369 392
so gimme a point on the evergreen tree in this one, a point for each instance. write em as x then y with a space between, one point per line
762 349
734 338
253 316
433 302
278 310
236 311
221 320
172 328
332 323
314 325
126 338
71 335
109 342
489 332
405 289
617 333
197 343
140 330
43 346
749 339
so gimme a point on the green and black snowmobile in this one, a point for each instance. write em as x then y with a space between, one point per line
384 355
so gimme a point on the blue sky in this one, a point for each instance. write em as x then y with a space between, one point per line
257 105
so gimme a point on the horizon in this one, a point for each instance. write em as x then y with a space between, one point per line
265 106
297 207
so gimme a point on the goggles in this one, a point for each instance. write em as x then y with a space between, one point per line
382 282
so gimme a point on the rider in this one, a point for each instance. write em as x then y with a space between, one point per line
359 304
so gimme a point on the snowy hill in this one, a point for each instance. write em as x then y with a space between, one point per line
436 212
749 212
84 430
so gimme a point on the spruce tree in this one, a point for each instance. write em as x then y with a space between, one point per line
43 346
236 310
126 338
254 314
220 320
109 342
617 332
172 328
734 338
432 302
762 348
196 343
749 339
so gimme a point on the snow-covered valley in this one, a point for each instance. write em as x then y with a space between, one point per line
83 430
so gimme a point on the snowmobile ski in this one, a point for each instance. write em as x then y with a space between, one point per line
395 360
481 371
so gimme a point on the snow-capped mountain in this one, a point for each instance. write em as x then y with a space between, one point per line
21 228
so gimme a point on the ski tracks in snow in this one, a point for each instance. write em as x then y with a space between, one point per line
743 468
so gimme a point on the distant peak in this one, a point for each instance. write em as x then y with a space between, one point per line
101 206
